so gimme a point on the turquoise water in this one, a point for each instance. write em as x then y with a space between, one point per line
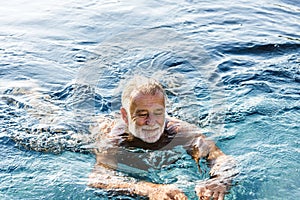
232 68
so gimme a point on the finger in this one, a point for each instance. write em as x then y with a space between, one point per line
205 195
221 196
204 198
171 195
215 195
208 193
180 197
201 195
164 197
201 191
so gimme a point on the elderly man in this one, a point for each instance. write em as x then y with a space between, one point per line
143 128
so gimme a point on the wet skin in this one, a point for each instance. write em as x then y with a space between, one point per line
146 119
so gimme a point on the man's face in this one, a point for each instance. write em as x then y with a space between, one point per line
147 117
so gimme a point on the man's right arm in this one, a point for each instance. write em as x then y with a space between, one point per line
105 176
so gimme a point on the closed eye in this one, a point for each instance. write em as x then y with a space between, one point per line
142 115
158 113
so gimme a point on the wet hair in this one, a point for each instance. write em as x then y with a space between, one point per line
140 84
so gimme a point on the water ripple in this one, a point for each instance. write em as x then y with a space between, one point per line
260 49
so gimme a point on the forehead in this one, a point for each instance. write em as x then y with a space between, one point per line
147 101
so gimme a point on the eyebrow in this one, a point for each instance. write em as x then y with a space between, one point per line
139 111
144 110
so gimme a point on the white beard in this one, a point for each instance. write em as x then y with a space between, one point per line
149 134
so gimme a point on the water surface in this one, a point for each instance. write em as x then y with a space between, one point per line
232 68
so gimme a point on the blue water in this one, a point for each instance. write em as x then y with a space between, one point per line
232 68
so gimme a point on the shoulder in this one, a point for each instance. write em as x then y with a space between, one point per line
182 127
101 124
119 127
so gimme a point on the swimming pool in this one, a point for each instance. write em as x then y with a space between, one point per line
232 68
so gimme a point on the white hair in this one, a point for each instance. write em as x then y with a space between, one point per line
140 84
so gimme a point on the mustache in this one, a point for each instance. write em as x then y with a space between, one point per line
148 128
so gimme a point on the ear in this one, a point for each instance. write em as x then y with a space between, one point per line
124 115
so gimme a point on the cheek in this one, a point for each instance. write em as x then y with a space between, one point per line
161 121
139 122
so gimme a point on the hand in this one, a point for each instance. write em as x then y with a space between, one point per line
166 192
212 189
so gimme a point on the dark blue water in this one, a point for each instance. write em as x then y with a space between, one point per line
232 68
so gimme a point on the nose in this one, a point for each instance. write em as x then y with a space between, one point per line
150 120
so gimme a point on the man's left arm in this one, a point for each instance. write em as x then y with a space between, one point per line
222 166
222 169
